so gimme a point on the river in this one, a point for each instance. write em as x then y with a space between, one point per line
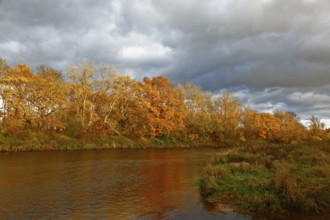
105 184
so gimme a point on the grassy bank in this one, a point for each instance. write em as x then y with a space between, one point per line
270 179
40 141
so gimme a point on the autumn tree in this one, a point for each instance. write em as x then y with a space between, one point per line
269 126
54 74
3 66
291 130
317 128
30 100
101 99
119 106
15 86
82 96
251 123
198 119
96 100
227 112
49 97
164 107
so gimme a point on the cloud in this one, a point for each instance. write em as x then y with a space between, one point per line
273 53
140 54
11 47
309 98
304 103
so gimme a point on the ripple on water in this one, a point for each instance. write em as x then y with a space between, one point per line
118 184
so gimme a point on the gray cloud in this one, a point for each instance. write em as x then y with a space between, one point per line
303 101
274 54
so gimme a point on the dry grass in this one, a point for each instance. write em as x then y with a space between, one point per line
270 179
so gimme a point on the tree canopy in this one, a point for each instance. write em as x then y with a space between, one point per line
96 100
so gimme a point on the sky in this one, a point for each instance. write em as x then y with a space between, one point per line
272 54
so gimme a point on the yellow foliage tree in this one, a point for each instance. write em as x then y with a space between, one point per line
227 113
198 118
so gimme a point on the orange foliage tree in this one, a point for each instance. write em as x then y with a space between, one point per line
31 100
164 107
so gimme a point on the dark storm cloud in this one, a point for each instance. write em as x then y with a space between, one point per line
274 54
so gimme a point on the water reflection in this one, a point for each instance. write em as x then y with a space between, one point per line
118 184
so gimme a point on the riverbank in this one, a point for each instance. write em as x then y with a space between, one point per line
34 141
262 180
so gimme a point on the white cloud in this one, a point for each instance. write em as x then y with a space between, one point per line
145 53
11 47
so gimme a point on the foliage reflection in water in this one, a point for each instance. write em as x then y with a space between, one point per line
112 184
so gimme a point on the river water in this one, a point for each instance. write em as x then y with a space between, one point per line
105 184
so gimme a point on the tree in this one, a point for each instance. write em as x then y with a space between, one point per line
164 107
3 65
48 96
31 100
102 99
50 72
250 121
227 114
317 128
269 126
291 130
82 97
198 119
118 106
15 85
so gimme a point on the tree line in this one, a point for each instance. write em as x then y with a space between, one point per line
94 100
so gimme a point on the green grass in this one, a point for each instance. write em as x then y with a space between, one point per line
270 179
